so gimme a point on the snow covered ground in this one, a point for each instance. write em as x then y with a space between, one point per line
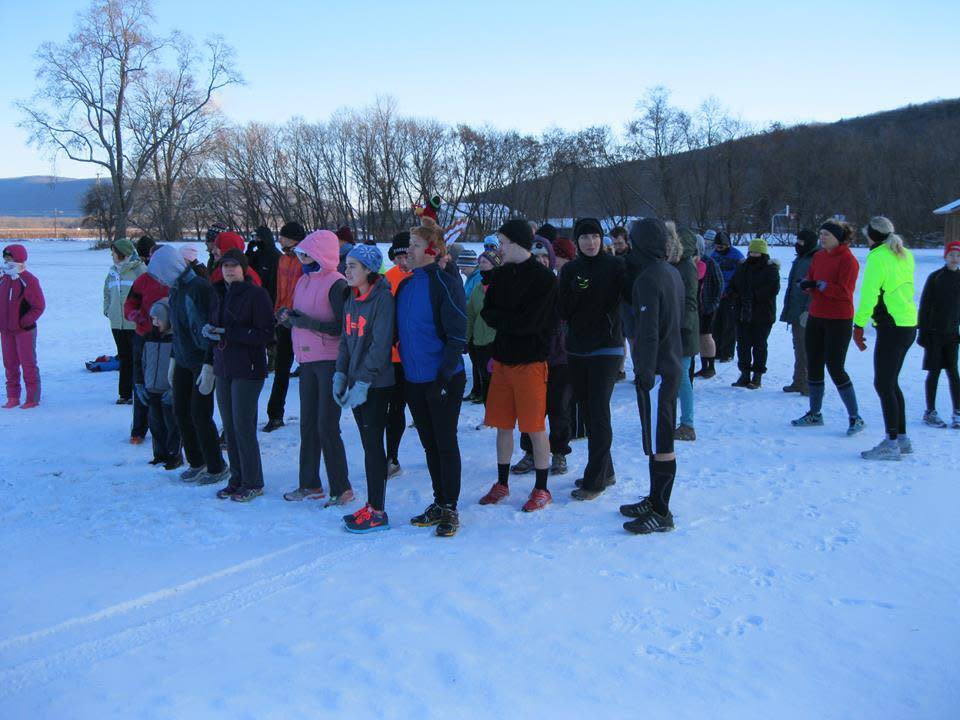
801 581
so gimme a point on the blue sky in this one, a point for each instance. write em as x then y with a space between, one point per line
530 65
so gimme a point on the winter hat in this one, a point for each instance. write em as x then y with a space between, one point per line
293 231
467 259
233 256
587 226
229 241
542 246
166 265
492 257
399 245
368 255
518 231
161 310
841 233
721 238
491 242
454 251
145 245
607 241
950 247
124 248
759 245
564 248
344 234
806 241
189 253
215 230
429 209
709 236
17 253
323 247
549 232
264 234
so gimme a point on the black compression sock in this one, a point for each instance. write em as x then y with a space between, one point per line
662 474
541 483
503 473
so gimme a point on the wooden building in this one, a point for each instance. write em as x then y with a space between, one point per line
951 214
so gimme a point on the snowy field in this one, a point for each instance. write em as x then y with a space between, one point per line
801 582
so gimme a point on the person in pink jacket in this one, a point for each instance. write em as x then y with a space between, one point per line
21 304
316 322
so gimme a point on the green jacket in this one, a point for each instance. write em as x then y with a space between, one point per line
478 332
886 293
116 287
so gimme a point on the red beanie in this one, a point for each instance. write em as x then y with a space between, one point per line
952 247
229 241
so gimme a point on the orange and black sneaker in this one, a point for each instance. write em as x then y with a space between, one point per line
366 520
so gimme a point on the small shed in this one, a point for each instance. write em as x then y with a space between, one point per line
951 213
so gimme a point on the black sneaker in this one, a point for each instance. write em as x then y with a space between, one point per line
272 424
246 494
524 465
429 517
124 401
635 510
449 523
227 492
652 522
173 463
161 461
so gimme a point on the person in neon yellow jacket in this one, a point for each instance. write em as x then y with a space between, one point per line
886 298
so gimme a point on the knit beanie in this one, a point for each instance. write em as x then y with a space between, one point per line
454 250
759 245
124 248
709 236
293 231
492 257
953 246
17 253
144 246
587 226
564 248
367 255
344 234
549 232
235 257
518 231
215 230
399 245
467 259
491 242
806 241
837 230
161 310
189 253
721 238
264 234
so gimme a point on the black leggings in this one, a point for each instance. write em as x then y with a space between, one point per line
593 381
937 357
396 414
371 420
659 439
752 347
436 421
194 413
893 342
826 344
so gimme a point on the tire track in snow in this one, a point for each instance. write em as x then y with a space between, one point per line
44 669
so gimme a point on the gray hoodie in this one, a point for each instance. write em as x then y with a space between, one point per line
166 265
367 340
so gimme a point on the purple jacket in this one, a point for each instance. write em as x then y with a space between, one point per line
21 300
246 312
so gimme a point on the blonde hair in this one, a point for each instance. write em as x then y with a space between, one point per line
884 226
430 233
674 248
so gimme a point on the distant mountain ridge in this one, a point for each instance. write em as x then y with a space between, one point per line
42 195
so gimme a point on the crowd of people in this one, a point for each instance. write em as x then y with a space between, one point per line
545 321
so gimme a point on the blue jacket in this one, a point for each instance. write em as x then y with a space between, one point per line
728 263
431 325
191 298
470 283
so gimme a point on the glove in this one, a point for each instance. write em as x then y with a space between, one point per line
170 369
340 388
357 395
807 284
212 332
438 390
205 381
803 319
141 392
821 285
858 338
295 319
167 398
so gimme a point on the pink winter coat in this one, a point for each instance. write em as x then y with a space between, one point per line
21 299
311 296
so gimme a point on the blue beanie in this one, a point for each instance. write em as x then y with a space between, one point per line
369 255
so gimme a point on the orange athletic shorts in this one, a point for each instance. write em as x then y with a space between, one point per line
517 395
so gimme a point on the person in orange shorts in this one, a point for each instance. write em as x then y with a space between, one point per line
520 305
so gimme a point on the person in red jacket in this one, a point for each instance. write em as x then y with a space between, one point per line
21 304
830 281
230 241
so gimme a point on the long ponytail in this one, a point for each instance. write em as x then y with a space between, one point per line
880 230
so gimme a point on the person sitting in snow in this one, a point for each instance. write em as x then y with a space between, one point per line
21 305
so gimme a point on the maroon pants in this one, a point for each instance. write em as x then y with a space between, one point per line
20 351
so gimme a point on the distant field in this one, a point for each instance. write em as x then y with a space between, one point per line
28 228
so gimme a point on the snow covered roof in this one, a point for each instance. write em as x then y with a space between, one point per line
949 208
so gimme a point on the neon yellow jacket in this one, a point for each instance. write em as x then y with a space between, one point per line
886 293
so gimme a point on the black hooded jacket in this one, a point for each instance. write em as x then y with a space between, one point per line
520 305
264 256
656 309
589 294
754 289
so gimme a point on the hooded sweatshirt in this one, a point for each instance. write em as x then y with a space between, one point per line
146 290
754 288
190 299
264 257
367 342
657 305
21 299
116 288
319 295
939 315
245 312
